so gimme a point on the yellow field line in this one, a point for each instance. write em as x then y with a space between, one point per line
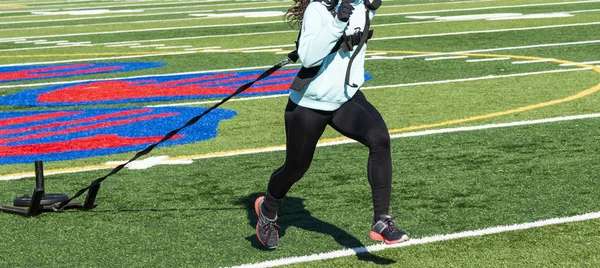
410 128
496 114
58 171
12 5
225 153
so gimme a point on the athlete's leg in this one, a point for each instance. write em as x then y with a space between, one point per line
303 128
359 120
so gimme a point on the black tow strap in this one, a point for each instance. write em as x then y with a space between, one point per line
291 57
363 40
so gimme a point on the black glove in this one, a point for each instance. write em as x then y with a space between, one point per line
345 10
373 4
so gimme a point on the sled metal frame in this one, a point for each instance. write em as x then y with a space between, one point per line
35 208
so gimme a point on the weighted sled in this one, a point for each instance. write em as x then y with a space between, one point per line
47 199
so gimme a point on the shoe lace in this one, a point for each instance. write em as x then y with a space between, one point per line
390 222
270 226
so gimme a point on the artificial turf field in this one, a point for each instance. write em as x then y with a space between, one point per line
492 107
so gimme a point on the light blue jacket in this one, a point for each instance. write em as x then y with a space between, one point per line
320 32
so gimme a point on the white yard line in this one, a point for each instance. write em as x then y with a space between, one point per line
124 44
379 57
219 5
100 17
174 47
425 240
263 50
141 15
532 61
100 59
27 9
20 39
222 25
252 8
478 31
266 47
374 39
29 41
95 24
585 62
63 5
145 46
209 37
487 59
150 30
201 48
496 49
109 44
150 21
446 58
133 4
584 11
51 42
383 7
151 4
477 78
204 12
435 4
200 11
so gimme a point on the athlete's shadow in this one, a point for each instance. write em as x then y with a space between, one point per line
293 213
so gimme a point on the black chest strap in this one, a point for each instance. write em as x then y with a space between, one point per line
349 41
346 43
367 33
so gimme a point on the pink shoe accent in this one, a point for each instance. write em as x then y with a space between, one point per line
257 203
256 207
379 237
376 236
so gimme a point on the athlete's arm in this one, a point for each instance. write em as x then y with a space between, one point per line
318 38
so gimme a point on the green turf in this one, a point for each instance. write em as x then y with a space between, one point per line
443 184
550 246
200 215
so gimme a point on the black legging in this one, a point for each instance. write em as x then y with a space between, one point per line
356 119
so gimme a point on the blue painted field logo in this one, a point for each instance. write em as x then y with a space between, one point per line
71 134
21 73
154 88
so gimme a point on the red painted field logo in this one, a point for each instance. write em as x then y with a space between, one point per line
53 135
154 88
70 134
21 73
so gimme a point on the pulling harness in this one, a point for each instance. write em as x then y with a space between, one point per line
346 43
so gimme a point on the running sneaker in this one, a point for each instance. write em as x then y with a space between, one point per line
384 229
266 229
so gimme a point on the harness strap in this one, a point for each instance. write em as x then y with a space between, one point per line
363 40
305 75
349 41
94 185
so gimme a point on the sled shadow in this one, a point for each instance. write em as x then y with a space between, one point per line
293 213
